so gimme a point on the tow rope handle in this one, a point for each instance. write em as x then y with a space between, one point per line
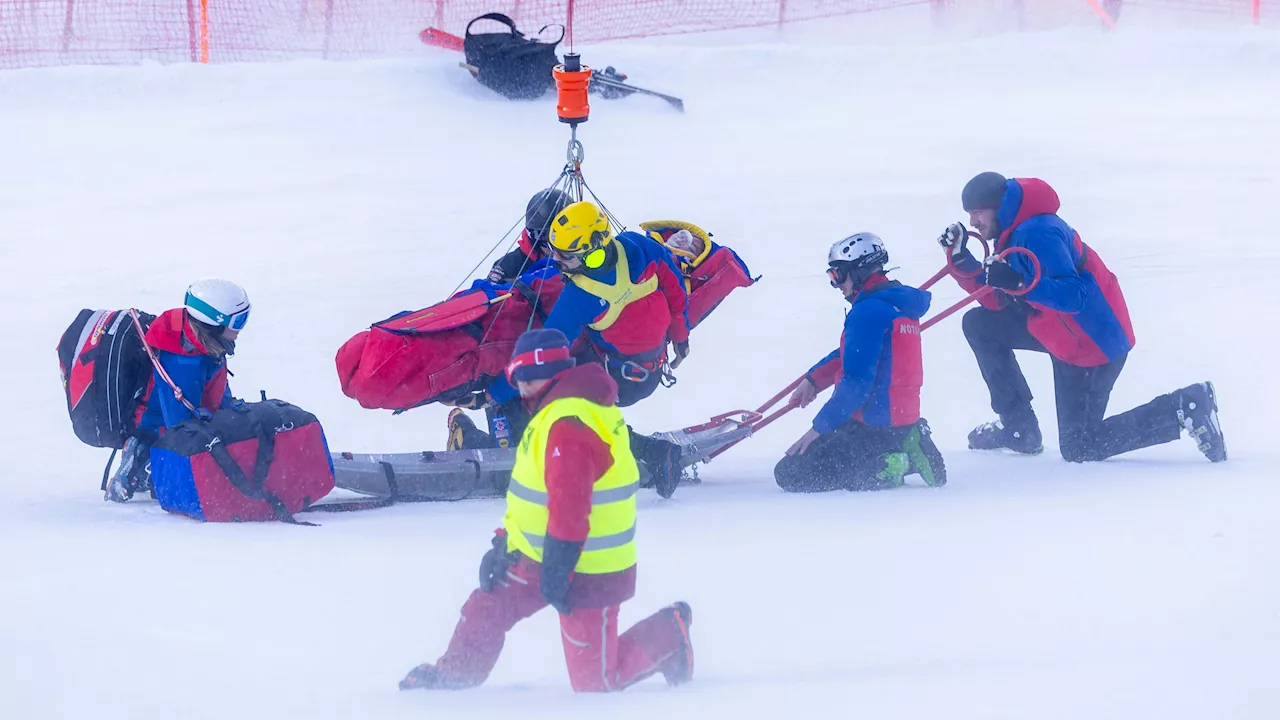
950 269
986 290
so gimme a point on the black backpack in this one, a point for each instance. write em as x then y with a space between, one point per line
105 372
510 63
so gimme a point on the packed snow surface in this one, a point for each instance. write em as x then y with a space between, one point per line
339 193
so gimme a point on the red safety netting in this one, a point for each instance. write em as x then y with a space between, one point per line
72 32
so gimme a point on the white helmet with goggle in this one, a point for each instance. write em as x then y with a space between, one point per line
218 303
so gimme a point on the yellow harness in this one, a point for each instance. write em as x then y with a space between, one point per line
617 296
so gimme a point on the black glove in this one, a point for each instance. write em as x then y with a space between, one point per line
954 239
559 558
496 562
682 352
1000 274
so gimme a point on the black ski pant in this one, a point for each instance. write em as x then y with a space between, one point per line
1081 393
847 458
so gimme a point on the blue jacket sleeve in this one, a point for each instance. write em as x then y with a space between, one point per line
188 372
864 329
834 354
573 311
1061 287
500 391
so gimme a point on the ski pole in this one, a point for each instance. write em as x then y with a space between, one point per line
949 269
986 290
675 102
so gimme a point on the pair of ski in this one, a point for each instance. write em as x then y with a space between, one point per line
441 39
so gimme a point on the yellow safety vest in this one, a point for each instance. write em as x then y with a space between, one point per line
620 294
610 545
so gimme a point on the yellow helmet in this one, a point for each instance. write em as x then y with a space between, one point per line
580 229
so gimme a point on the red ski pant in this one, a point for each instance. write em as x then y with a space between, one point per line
599 659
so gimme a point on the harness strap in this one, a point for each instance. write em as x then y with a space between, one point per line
254 488
535 301
155 362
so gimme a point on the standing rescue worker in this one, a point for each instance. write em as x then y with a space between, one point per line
568 539
869 435
1077 315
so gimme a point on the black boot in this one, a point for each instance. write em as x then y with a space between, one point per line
661 458
1018 431
1198 415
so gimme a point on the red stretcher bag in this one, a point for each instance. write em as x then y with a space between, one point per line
443 352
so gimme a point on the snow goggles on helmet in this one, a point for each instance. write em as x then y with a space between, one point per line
837 274
235 321
593 257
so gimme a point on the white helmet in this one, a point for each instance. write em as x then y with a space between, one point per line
863 249
218 303
857 256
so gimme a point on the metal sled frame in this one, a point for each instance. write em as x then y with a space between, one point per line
444 476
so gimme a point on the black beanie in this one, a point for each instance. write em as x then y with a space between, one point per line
983 192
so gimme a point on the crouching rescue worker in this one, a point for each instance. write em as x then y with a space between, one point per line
869 435
1077 315
191 345
568 539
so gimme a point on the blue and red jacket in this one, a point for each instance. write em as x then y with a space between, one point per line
1081 317
201 378
645 325
878 369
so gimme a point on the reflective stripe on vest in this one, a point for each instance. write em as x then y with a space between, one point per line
620 294
598 497
610 543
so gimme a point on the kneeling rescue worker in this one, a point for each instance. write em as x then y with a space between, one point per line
869 435
568 539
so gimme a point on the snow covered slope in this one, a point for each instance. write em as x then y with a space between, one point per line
1142 587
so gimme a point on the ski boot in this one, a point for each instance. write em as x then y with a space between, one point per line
463 433
1198 415
926 459
678 669
423 677
892 473
662 459
1018 431
133 475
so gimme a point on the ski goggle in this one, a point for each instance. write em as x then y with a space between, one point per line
837 275
235 321
592 258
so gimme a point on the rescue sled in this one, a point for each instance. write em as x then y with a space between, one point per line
433 476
